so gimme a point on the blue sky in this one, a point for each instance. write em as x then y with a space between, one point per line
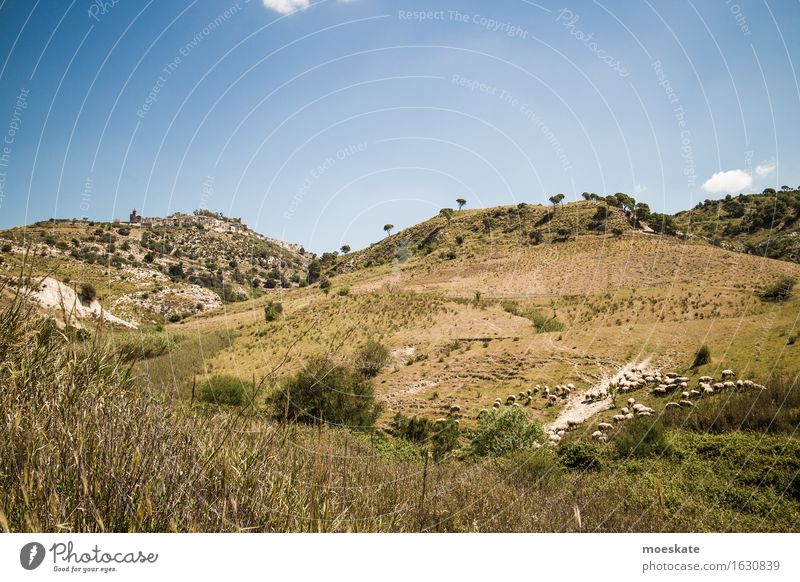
320 125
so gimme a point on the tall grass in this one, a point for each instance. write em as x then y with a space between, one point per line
85 447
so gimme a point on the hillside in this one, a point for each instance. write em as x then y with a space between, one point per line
449 377
763 224
156 271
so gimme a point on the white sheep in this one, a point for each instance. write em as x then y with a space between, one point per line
619 417
496 405
605 426
482 412
728 374
672 405
573 424
455 409
511 400
596 435
686 403
631 401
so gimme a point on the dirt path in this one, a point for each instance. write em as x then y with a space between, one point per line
580 408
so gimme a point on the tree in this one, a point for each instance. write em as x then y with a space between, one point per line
625 202
314 271
587 196
87 293
461 203
769 191
556 200
324 392
641 212
345 249
785 188
447 213
387 228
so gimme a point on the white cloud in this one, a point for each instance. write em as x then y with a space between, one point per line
728 182
286 6
765 169
638 189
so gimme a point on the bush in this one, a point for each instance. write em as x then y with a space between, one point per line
324 392
643 437
506 431
778 290
580 455
272 311
774 410
372 358
228 390
343 291
442 438
87 293
542 323
6 248
702 357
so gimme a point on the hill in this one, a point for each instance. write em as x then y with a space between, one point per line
763 224
156 270
450 377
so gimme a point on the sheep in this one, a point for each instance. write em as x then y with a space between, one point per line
629 416
496 405
455 409
561 433
660 390
729 385
694 393
511 400
571 387
707 390
546 392
528 401
686 403
552 399
596 435
440 421
706 379
748 383
631 401
536 389
521 395
528 392
685 395
719 387
605 426
482 412
619 417
637 407
739 384
555 439
624 410
672 405
728 374
573 424
602 439
516 405
671 375
645 413
566 394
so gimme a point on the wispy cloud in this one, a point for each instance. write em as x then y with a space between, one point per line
729 182
286 6
639 189
765 169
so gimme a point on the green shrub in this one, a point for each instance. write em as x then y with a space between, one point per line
87 293
506 431
643 437
702 357
6 248
372 358
323 392
774 410
222 389
343 291
580 455
511 307
272 311
542 323
778 290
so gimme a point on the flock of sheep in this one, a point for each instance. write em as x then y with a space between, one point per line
526 397
636 378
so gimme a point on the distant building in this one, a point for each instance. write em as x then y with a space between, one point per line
135 217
